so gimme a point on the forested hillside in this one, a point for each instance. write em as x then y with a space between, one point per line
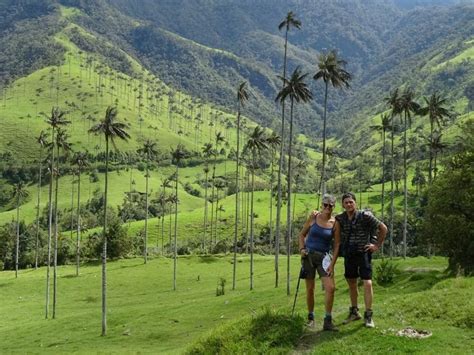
203 134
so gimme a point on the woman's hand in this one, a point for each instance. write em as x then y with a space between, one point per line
330 269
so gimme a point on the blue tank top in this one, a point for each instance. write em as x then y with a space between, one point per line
319 239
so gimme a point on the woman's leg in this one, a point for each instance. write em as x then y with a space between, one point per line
329 288
310 294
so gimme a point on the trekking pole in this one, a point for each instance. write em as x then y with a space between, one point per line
296 293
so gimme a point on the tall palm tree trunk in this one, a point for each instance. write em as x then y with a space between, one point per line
38 212
405 191
205 212
216 223
78 230
170 227
323 169
430 169
55 257
212 203
17 253
104 249
50 225
175 262
280 169
270 223
383 178
247 214
236 226
288 207
392 192
145 249
251 222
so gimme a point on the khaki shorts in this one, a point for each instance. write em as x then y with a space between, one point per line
313 262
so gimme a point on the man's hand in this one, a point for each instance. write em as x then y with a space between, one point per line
371 248
303 252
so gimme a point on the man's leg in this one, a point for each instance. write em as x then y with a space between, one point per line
353 291
368 294
366 276
352 273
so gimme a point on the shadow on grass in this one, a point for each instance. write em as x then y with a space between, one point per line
208 259
70 276
417 280
91 299
312 338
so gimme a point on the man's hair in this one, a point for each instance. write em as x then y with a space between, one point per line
347 195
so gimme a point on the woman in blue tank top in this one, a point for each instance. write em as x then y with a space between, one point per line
315 241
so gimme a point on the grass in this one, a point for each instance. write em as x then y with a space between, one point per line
145 315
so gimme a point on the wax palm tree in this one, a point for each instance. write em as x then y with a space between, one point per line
61 144
177 154
408 106
384 126
221 183
418 180
393 101
219 139
81 161
161 200
207 151
273 141
256 143
55 120
437 114
436 145
331 70
150 151
297 91
165 184
42 140
20 193
111 129
242 97
288 22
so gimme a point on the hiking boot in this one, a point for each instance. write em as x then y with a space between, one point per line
329 325
310 322
368 321
353 315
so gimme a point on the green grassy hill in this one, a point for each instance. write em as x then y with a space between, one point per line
145 315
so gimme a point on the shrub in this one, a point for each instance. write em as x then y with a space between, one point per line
386 272
220 290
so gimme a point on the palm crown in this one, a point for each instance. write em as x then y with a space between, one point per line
110 128
294 88
331 70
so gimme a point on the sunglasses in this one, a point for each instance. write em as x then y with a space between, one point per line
326 205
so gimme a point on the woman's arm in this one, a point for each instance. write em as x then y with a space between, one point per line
304 231
335 251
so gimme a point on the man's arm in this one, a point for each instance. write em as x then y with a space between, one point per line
381 233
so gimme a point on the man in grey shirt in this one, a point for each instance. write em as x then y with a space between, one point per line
353 228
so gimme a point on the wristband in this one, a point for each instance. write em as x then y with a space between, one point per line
302 249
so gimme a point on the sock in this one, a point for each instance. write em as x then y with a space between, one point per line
328 315
311 315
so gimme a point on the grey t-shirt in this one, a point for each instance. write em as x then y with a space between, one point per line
359 231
